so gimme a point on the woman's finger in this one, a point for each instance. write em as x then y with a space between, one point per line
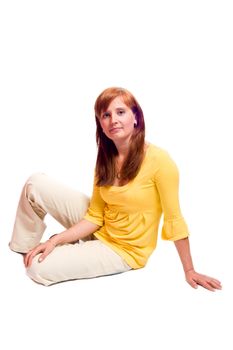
49 248
193 284
26 258
31 258
208 283
216 285
208 286
43 255
216 281
33 253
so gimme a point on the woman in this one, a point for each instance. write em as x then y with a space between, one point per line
135 182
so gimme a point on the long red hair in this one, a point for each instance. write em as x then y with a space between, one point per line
107 151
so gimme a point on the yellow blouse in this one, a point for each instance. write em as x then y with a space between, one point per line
129 215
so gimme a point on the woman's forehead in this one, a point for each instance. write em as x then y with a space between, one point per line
117 102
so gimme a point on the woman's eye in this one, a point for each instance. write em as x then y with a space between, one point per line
121 112
105 115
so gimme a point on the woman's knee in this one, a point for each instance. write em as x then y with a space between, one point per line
37 272
34 182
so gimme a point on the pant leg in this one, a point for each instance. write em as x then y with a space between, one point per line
77 261
41 195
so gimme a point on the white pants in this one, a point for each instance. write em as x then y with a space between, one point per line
84 259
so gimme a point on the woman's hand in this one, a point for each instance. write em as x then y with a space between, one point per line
44 248
195 279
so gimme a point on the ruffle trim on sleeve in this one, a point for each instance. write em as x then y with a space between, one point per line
173 230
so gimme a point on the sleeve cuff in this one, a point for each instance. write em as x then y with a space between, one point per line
174 230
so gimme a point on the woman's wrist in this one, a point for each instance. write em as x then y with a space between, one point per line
53 240
188 270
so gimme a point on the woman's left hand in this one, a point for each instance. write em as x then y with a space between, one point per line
195 279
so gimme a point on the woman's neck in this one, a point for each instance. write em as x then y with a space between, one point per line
123 149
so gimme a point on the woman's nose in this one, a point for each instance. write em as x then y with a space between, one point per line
114 118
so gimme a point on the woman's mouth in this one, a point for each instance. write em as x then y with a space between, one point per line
114 130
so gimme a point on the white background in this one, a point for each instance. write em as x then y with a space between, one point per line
176 58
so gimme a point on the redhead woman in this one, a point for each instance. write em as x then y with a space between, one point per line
116 229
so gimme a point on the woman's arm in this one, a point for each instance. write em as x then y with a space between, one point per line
174 227
80 230
192 277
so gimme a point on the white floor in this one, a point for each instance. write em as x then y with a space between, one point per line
146 309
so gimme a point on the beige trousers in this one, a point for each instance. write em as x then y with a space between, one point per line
84 259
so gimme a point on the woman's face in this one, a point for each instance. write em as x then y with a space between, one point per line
118 121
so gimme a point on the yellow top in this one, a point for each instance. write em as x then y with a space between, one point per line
129 215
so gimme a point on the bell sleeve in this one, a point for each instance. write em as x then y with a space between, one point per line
167 183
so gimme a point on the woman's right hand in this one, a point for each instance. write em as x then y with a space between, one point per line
44 248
